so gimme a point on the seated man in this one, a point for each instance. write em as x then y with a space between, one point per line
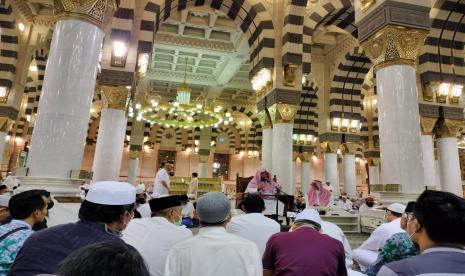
213 251
154 237
304 250
437 225
107 209
26 209
398 247
263 184
253 225
318 195
367 253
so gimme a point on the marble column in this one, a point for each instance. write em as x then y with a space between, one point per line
427 149
110 139
60 130
350 174
398 113
203 165
449 162
373 171
350 177
282 150
267 148
2 145
330 163
132 171
305 173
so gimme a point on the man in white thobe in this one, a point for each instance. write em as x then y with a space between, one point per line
161 185
213 251
253 225
367 253
154 237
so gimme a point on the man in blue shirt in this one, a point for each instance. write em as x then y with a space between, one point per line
26 209
107 209
437 226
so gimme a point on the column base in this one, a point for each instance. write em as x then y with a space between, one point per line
395 197
66 187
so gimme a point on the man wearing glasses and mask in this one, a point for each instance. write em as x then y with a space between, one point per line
438 227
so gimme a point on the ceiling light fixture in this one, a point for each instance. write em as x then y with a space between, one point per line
182 113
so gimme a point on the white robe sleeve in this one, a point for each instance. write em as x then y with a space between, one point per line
385 271
172 265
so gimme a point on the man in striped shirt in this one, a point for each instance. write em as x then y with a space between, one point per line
437 225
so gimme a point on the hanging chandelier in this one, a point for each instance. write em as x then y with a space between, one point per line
182 113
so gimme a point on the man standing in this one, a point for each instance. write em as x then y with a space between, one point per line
26 209
192 193
161 186
304 250
368 252
253 225
437 225
214 251
154 237
107 209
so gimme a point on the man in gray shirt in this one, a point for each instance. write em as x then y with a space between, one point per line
437 225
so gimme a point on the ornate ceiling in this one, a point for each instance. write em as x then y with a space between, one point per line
209 48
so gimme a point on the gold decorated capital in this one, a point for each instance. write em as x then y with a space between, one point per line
394 45
447 128
427 125
97 12
5 124
264 119
134 154
305 156
374 162
330 147
114 96
349 148
203 158
285 113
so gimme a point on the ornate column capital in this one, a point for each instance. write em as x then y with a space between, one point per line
374 162
427 125
349 148
6 124
330 147
203 158
283 113
447 128
305 156
134 154
97 12
394 45
265 121
114 96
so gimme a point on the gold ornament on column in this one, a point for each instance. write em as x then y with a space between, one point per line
349 148
286 113
366 4
5 124
203 158
447 128
97 12
134 154
427 125
394 45
330 147
264 120
115 96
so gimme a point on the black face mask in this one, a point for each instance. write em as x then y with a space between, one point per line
140 200
370 204
50 205
40 225
171 173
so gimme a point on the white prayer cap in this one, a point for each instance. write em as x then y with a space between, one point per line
140 189
111 193
4 199
397 208
309 214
